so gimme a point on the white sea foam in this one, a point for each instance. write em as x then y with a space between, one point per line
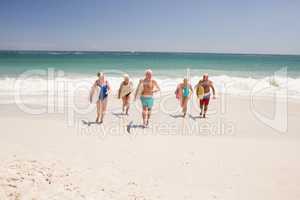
224 84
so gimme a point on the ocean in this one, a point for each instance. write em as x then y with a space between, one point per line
242 71
13 63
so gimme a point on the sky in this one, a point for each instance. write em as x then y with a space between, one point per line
231 26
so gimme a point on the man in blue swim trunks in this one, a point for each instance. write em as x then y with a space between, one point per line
149 86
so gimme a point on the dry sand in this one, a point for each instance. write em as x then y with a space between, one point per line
230 155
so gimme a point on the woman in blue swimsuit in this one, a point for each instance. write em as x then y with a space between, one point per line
103 86
183 92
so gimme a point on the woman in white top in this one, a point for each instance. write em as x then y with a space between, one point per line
125 91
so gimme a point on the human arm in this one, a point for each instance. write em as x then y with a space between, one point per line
93 88
108 87
177 89
137 90
192 91
119 91
156 86
213 90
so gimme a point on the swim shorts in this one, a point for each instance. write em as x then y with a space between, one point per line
147 101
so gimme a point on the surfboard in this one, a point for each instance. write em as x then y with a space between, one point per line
200 92
178 92
140 88
126 89
95 94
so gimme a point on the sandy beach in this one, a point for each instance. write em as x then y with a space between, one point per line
230 155
64 65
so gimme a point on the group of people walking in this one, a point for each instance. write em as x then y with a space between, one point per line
145 90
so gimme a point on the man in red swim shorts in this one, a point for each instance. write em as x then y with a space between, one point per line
206 84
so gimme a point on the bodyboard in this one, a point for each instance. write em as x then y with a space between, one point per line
200 92
125 90
178 92
140 89
95 94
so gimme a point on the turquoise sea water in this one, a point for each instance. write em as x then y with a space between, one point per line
13 63
238 74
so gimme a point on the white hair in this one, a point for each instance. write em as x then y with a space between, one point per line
148 71
126 76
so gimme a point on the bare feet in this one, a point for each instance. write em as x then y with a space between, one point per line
126 112
146 124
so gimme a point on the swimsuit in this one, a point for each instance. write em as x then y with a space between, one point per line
103 91
127 95
186 91
205 99
147 101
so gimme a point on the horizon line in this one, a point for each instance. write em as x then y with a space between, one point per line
131 51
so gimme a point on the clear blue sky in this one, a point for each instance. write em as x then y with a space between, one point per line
242 26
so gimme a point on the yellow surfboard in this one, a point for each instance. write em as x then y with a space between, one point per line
200 92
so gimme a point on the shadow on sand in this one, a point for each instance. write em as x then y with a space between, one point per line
120 114
89 123
131 125
195 117
176 116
